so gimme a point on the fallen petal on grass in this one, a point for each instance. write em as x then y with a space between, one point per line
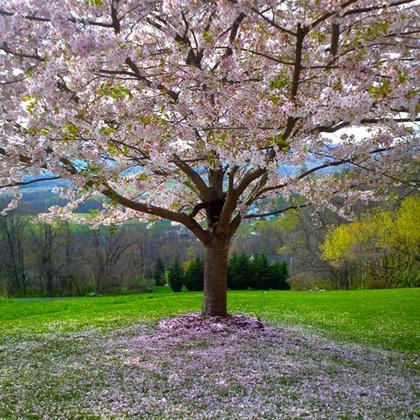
243 371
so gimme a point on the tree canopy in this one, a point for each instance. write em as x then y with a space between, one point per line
157 104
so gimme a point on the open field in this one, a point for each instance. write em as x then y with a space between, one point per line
386 318
107 357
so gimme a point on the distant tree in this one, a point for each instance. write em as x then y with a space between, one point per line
279 274
12 233
159 271
194 275
239 272
383 245
110 244
44 245
261 278
176 276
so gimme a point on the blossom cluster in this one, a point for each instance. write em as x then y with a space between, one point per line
122 96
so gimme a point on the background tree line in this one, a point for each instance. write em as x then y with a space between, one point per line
378 248
65 259
244 272
381 248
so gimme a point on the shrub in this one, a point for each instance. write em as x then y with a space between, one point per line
176 276
159 271
279 274
261 276
376 284
239 272
4 296
139 283
194 275
305 281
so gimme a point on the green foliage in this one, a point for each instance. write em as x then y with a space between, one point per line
279 274
115 91
176 276
194 275
374 30
282 80
31 103
108 131
139 283
4 296
208 37
257 273
278 139
386 243
261 275
70 131
382 89
239 272
158 272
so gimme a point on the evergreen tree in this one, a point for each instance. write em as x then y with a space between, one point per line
279 274
239 272
261 277
194 275
159 272
176 276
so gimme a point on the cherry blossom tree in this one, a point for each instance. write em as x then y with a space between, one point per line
162 105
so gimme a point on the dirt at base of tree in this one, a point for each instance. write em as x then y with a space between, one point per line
197 324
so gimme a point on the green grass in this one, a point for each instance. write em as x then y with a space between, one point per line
385 318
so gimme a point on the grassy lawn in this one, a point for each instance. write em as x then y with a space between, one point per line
386 318
105 357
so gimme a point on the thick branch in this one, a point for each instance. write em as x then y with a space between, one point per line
335 36
133 66
291 121
231 199
114 15
163 213
247 179
194 176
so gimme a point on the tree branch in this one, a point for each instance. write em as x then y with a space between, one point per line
272 23
291 121
182 218
335 36
70 19
275 212
371 8
32 181
365 121
194 176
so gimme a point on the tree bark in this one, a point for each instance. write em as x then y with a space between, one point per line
215 277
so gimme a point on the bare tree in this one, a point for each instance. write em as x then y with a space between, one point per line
12 230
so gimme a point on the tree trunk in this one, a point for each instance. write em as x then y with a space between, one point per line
215 277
